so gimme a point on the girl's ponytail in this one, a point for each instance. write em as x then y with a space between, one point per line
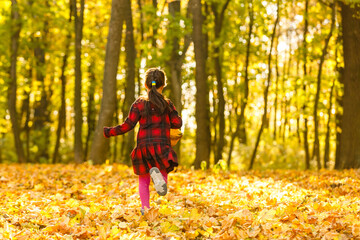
154 79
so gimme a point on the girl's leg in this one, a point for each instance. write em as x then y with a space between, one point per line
144 182
165 175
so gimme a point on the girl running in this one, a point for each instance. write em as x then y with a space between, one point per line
153 155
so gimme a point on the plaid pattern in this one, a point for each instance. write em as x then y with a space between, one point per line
153 147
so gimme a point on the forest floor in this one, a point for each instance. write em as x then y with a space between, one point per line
102 202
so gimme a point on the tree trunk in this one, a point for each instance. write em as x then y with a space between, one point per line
339 106
141 50
276 92
27 111
219 19
203 138
176 62
297 99
100 145
244 100
154 28
240 130
78 144
130 78
90 108
41 135
328 131
62 110
236 132
306 143
350 135
316 148
15 34
267 86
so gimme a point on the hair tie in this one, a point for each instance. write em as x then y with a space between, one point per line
153 83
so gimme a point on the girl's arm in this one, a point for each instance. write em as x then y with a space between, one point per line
175 119
129 123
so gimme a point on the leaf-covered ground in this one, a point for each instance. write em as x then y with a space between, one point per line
101 202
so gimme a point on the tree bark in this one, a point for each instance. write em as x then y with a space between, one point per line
203 138
339 106
90 108
100 145
62 110
306 142
267 86
244 100
316 148
235 102
276 92
219 19
176 62
41 135
79 21
350 135
130 78
240 130
154 28
15 35
328 130
141 50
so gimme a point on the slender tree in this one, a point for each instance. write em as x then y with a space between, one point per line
219 19
79 22
100 145
244 99
240 130
15 34
130 77
203 137
267 86
349 155
41 106
177 57
306 130
62 110
90 107
316 148
276 88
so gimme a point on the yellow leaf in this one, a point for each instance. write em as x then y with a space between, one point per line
143 224
38 187
194 214
123 225
102 232
254 231
192 234
151 214
168 227
355 229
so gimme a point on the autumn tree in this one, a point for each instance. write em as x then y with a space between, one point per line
130 77
349 156
202 93
100 145
79 22
15 33
267 87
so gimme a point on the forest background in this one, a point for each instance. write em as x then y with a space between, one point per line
259 84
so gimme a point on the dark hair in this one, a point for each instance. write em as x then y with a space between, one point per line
154 79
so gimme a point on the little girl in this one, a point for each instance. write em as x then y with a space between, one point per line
153 155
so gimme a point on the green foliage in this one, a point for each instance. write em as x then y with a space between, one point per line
49 27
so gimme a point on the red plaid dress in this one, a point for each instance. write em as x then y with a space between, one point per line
153 148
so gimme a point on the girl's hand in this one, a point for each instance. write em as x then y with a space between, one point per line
107 132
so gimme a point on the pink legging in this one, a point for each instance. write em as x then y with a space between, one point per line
144 182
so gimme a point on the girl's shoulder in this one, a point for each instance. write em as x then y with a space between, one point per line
143 98
140 102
